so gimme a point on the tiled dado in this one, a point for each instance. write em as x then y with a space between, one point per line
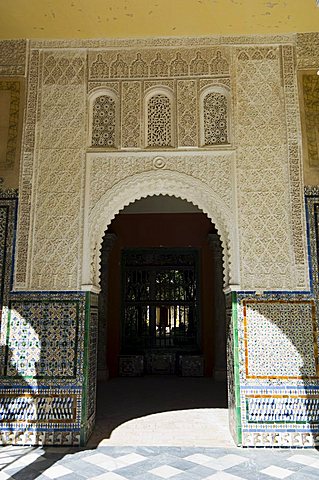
278 360
278 368
40 416
44 394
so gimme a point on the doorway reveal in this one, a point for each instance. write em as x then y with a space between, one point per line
162 312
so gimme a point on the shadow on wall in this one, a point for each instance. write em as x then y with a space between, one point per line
39 343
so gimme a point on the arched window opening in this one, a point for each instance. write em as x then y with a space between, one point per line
159 121
104 122
215 119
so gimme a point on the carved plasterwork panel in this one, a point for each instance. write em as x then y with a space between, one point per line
155 83
11 115
211 169
13 57
187 108
265 205
224 81
203 179
297 216
25 186
131 114
57 203
115 86
10 89
218 41
160 63
309 106
308 49
261 83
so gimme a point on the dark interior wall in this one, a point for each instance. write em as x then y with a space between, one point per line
156 230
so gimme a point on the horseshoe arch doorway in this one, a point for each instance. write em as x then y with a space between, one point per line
162 314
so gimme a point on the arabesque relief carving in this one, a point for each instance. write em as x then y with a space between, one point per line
263 119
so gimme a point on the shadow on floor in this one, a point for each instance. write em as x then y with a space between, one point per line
121 400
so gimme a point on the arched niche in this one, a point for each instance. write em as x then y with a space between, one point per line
215 114
166 126
103 119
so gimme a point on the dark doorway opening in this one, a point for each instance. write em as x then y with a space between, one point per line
162 291
161 301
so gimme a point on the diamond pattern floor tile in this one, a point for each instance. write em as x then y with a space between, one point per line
109 476
131 458
277 472
151 463
104 461
302 459
223 476
231 460
199 458
165 471
56 472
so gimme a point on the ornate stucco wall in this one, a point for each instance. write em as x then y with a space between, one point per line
257 176
251 187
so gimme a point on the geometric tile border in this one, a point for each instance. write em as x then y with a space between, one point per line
37 408
275 409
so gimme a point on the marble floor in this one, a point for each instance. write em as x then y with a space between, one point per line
157 463
159 428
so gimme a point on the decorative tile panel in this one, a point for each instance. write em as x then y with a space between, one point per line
34 348
191 365
42 338
131 365
92 360
42 374
280 339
